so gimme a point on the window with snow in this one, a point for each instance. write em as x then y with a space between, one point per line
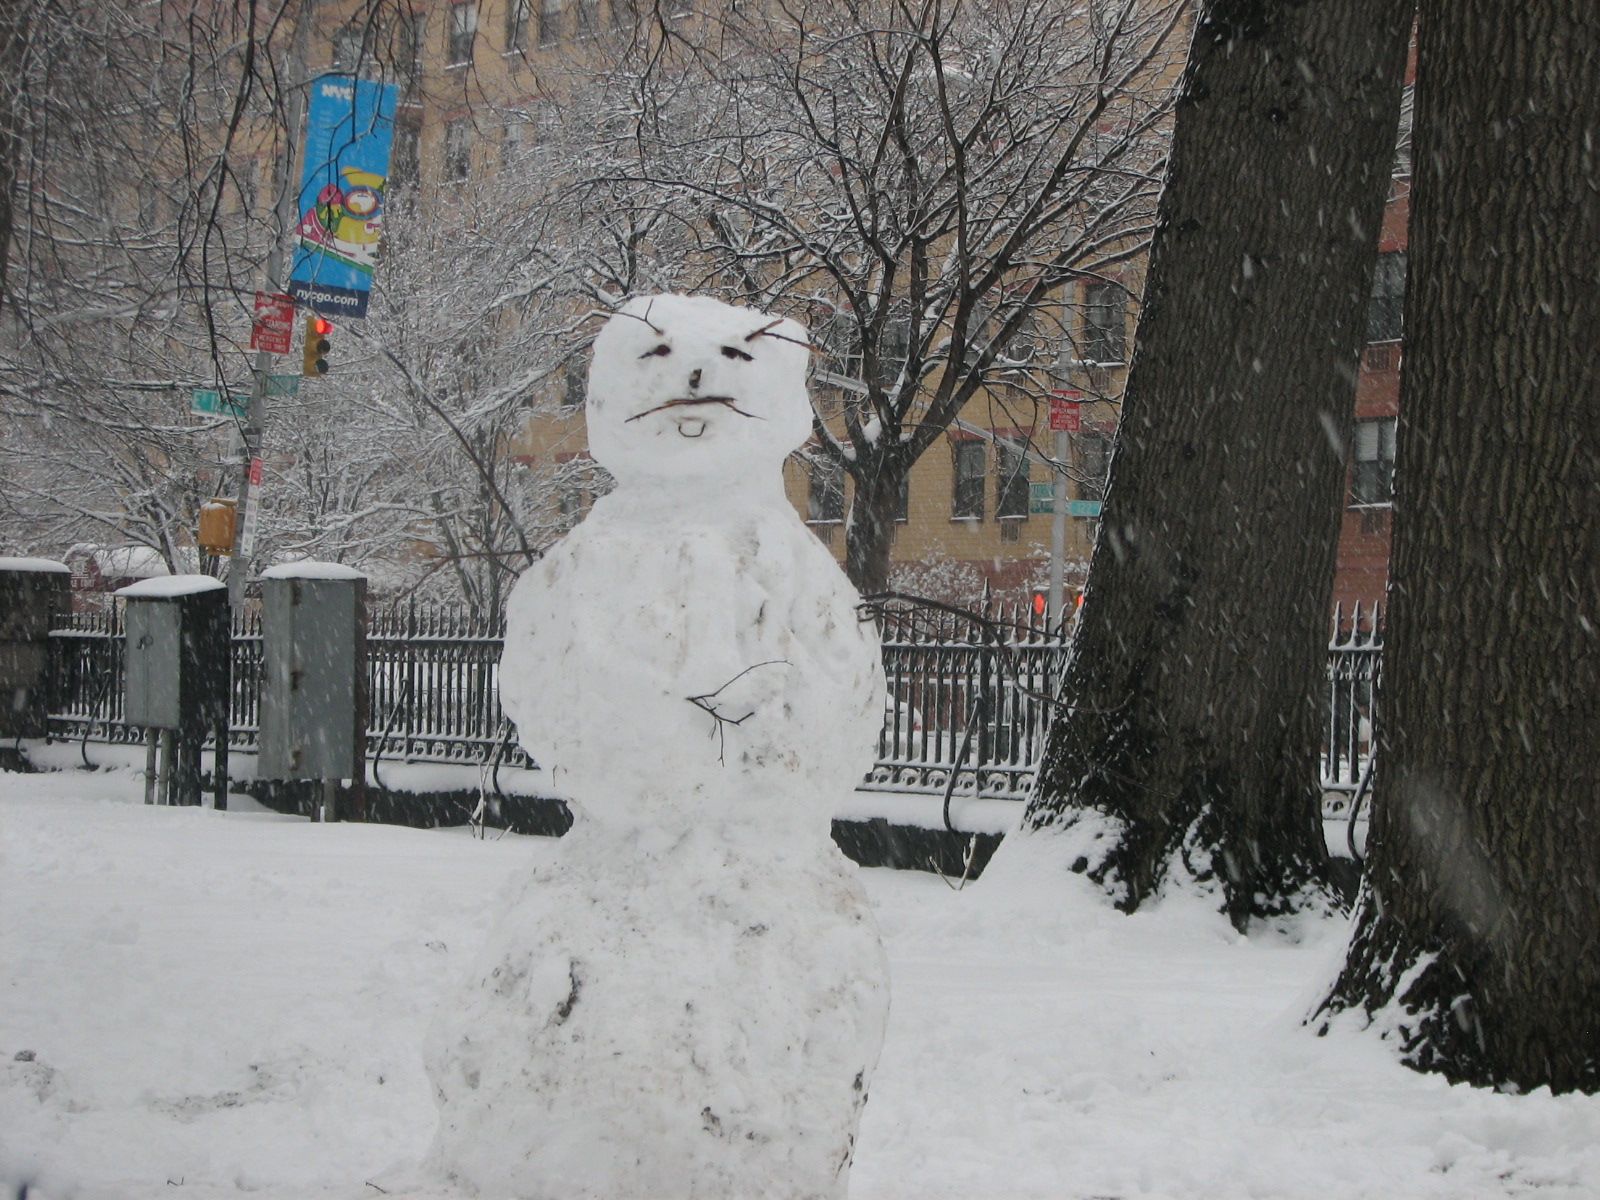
1104 326
1092 450
970 470
587 17
463 30
458 148
517 13
825 495
405 162
549 22
1011 484
347 47
1387 307
1372 480
577 382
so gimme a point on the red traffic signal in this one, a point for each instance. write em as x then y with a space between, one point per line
315 359
1040 602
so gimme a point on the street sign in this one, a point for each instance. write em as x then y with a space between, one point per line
209 402
1042 499
273 330
283 385
1066 412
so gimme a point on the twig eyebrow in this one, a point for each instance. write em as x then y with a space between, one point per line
767 331
659 332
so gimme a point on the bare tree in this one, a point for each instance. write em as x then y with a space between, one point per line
919 184
1189 727
1475 936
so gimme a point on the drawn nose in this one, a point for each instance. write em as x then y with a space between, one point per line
694 379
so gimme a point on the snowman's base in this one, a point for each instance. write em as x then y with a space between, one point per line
665 1015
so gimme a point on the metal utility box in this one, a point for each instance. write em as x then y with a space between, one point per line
176 670
32 592
314 670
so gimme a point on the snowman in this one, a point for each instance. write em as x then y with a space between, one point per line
689 999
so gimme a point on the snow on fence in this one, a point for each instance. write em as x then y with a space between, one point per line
964 688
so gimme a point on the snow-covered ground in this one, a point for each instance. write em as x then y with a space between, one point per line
200 1004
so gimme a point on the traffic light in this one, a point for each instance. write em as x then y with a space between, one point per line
315 361
1040 602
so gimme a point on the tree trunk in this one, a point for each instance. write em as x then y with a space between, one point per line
869 536
1193 682
1477 928
13 40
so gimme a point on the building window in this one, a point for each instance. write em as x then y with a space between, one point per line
967 500
458 148
463 29
902 500
571 503
347 47
517 24
1094 464
549 22
511 140
1372 481
623 13
1104 324
825 495
1386 309
577 382
587 13
406 159
1011 485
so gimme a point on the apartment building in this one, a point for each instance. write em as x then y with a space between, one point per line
480 78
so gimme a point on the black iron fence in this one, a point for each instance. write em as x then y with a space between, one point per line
968 693
1355 662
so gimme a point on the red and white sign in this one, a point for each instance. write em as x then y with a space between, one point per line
1066 411
252 509
273 330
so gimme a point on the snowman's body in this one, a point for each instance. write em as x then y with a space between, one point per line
689 1000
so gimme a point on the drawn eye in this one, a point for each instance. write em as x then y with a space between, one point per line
734 352
660 351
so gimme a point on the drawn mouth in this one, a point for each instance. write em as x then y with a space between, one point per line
727 402
690 427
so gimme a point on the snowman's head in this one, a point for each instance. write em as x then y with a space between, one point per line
687 387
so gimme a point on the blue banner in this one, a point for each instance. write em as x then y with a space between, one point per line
349 131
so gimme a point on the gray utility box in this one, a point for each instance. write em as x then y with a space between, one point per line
32 592
314 673
177 664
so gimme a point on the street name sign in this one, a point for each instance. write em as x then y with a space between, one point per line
209 402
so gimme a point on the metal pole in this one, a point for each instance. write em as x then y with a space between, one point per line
150 766
288 204
164 774
1058 533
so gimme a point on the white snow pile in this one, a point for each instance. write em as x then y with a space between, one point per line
214 1006
42 565
690 998
166 587
309 569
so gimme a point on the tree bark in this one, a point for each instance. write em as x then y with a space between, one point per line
13 40
1192 689
869 535
1477 926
